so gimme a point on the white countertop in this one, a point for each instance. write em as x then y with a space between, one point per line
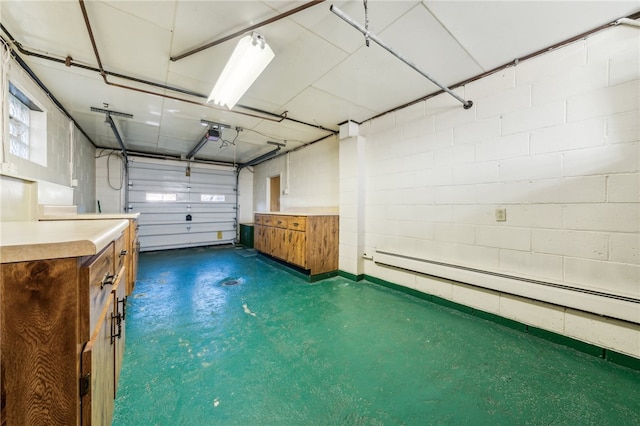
89 216
300 213
25 241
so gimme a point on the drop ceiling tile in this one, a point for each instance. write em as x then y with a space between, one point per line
371 78
128 44
335 109
142 133
299 61
54 28
332 28
160 13
420 38
200 22
495 33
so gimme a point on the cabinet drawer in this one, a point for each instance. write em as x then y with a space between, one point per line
258 219
299 223
121 252
97 277
267 220
280 221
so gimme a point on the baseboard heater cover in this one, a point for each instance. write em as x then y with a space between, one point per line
601 303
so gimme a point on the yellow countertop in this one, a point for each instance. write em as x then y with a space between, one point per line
25 241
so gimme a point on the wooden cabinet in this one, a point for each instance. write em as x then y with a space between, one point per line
307 241
133 247
130 243
63 335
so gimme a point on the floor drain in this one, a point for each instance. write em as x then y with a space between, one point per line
230 283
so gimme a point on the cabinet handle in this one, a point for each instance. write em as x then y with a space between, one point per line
124 307
295 224
107 280
124 253
116 324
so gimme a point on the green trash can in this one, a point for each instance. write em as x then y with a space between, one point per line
246 234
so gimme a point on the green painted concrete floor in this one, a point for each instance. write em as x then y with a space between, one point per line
276 350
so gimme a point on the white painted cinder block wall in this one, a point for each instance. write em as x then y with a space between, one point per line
309 176
69 157
555 141
110 182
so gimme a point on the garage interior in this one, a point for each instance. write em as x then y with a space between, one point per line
481 155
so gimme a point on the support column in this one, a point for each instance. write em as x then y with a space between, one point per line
352 202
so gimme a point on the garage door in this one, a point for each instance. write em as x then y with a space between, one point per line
180 209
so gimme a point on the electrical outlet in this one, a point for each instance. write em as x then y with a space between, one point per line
501 215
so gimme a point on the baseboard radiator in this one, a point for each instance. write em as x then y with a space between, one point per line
597 302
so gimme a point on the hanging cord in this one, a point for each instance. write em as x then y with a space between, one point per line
109 172
225 142
366 22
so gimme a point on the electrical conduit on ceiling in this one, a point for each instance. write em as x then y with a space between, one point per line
629 20
104 74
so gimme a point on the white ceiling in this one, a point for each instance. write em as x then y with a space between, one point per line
322 75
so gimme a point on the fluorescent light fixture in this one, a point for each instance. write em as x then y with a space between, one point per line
250 57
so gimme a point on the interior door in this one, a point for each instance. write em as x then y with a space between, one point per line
274 194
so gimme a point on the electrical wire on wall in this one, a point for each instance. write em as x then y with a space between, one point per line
109 155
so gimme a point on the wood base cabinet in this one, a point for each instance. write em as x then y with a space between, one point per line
133 246
63 337
307 241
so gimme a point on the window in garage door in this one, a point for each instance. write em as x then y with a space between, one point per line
177 210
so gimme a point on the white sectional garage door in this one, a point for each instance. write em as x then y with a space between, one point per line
177 210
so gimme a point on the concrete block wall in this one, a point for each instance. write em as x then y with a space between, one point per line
555 141
110 181
58 133
245 197
84 171
310 176
69 156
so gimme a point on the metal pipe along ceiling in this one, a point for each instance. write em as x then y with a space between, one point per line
368 35
267 115
513 63
246 30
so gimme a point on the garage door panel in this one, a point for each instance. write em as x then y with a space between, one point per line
164 196
168 219
186 228
170 209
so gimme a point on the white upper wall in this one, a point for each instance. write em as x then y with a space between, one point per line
69 157
309 179
555 141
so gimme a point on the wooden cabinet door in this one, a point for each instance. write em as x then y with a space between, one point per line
259 241
120 312
40 345
134 249
297 248
279 243
97 364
